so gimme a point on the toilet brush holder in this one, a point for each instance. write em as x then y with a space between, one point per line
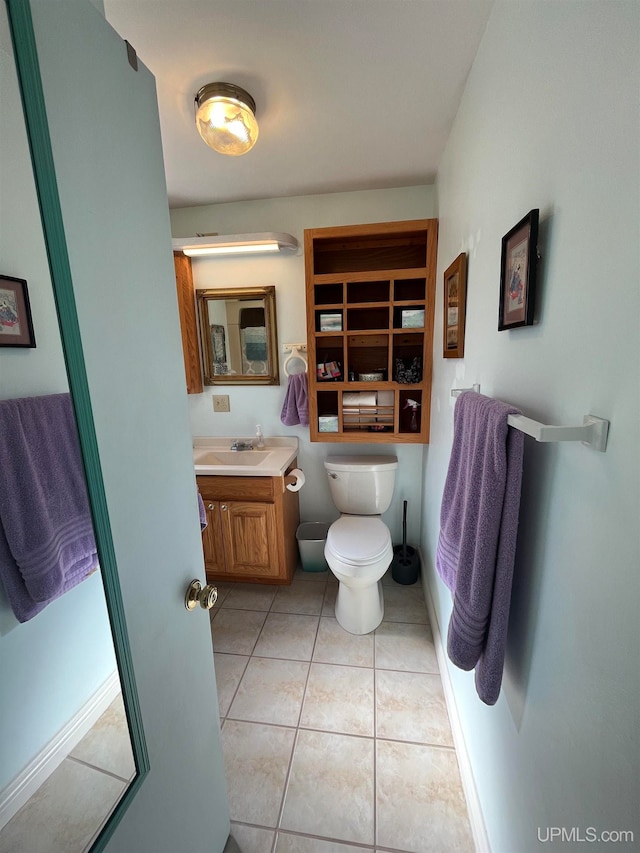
405 566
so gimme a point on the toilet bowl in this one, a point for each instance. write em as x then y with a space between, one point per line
358 549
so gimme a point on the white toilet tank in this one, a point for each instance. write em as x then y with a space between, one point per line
361 485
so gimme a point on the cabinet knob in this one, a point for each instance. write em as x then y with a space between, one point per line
211 506
224 507
196 594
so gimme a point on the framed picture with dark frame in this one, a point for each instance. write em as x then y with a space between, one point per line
518 273
16 326
455 298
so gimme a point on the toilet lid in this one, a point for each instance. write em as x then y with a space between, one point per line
358 539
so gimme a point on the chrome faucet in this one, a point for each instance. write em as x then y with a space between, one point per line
238 444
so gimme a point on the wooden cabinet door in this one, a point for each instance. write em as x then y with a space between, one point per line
249 532
214 559
188 321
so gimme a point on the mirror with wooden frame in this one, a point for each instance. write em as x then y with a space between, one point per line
238 336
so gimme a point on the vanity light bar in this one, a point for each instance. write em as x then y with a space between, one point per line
235 244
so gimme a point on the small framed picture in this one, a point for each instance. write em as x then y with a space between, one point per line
518 273
16 326
412 318
330 322
455 298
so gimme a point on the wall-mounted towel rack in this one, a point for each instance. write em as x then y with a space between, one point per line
296 351
594 431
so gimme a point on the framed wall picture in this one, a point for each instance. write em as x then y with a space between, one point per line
455 298
16 326
518 273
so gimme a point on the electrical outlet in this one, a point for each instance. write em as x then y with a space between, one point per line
221 403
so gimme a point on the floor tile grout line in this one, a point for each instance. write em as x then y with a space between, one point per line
235 692
302 728
321 662
97 769
386 621
306 683
358 845
295 741
375 751
285 789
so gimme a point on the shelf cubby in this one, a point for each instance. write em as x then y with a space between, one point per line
409 289
329 294
368 291
368 319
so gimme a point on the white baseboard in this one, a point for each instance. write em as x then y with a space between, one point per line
476 818
14 796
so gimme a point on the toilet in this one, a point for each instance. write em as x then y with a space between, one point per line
358 549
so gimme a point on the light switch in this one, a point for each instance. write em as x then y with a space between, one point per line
221 403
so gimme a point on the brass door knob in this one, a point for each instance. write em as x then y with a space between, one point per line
196 594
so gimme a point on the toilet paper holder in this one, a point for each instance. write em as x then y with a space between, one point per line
294 480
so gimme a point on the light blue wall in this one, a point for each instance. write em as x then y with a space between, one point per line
251 405
549 119
52 664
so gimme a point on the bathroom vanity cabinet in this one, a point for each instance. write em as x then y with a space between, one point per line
370 292
251 528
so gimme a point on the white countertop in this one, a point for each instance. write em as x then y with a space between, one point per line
212 456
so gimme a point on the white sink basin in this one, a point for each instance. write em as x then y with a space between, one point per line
213 457
251 458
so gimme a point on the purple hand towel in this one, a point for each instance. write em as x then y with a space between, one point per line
295 409
478 529
47 544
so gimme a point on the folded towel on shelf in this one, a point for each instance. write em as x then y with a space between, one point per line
47 545
478 529
295 409
359 398
386 398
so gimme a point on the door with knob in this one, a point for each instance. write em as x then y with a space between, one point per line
105 213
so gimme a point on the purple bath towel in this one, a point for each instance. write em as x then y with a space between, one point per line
47 544
296 402
478 530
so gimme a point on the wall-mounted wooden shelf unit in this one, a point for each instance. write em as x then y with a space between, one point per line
370 293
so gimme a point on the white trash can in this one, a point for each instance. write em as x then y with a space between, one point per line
311 536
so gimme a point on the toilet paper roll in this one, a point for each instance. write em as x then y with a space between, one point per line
300 480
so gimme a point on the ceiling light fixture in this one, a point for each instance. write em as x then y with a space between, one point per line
236 244
225 118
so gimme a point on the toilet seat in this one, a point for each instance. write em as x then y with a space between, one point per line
357 542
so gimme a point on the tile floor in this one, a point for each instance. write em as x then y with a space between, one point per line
334 743
67 811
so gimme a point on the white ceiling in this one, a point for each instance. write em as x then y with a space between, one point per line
350 94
